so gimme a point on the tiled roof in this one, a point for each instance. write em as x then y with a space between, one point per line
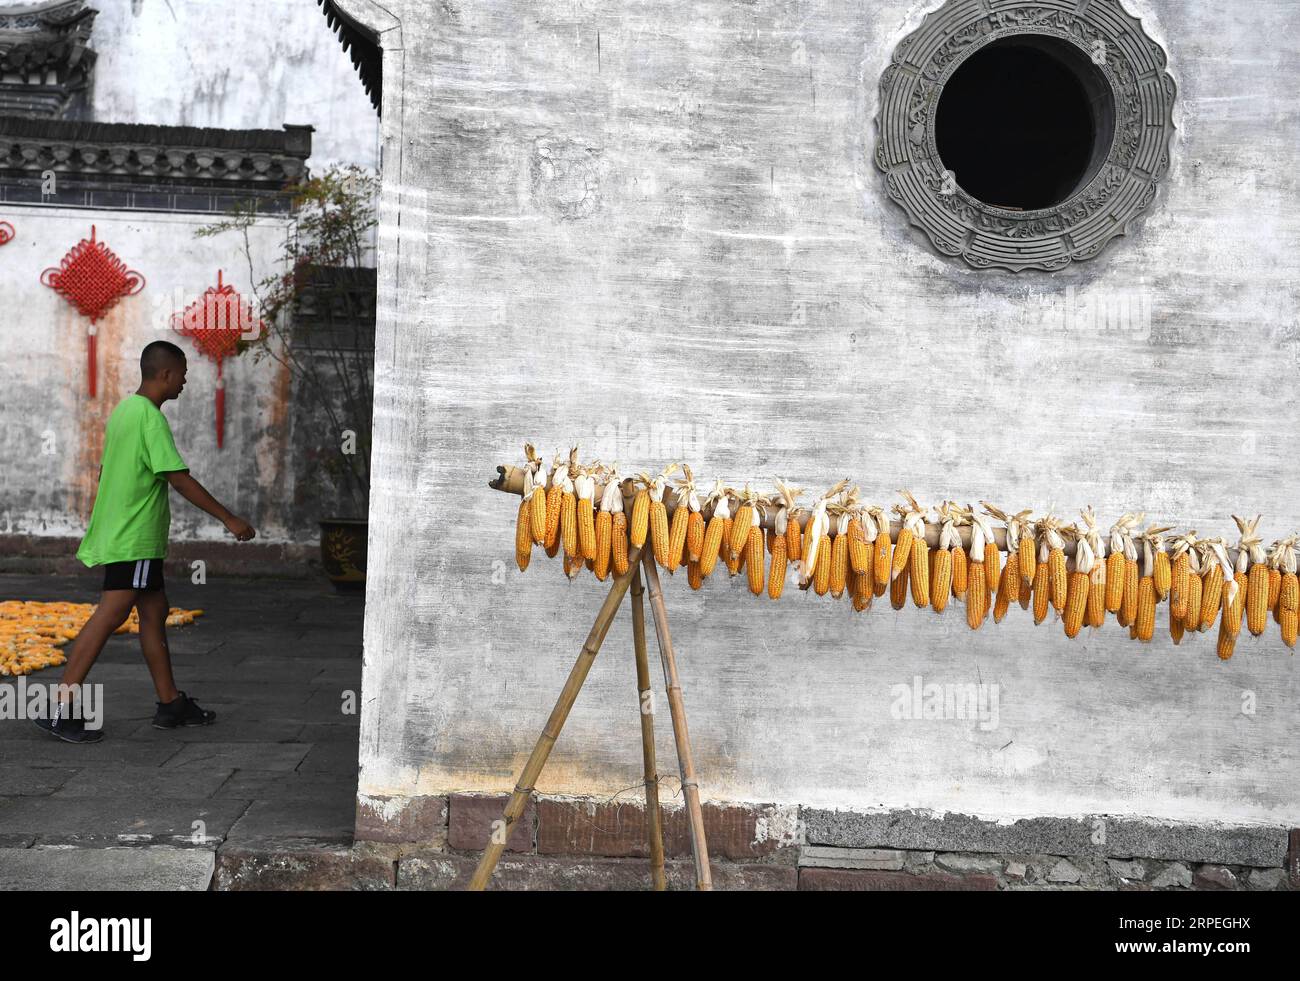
362 46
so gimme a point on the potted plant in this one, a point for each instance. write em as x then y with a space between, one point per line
318 308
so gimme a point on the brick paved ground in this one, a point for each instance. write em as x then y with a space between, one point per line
278 770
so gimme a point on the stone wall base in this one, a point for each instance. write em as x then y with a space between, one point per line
575 843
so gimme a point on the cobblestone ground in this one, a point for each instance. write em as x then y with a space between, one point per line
278 660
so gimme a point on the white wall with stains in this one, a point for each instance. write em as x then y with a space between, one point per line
655 230
52 434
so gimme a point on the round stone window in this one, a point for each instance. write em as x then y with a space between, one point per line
1026 136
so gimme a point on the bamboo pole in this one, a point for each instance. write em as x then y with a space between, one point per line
645 706
690 788
551 732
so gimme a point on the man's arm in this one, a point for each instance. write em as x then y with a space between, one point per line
196 494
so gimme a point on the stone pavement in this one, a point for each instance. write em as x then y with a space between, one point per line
276 773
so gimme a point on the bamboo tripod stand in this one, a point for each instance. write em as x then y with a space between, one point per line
568 695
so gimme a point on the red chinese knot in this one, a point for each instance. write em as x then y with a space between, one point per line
93 278
6 233
216 322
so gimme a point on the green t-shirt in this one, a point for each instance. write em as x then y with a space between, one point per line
132 514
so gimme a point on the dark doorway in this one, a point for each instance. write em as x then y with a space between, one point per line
1025 122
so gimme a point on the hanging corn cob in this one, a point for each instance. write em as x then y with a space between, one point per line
1078 584
846 547
585 491
676 550
715 530
1288 600
611 504
913 518
1008 585
1155 573
1180 565
1257 584
1218 572
658 518
743 521
881 555
941 584
569 508
977 590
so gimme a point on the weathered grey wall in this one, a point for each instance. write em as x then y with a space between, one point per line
655 230
232 66
51 430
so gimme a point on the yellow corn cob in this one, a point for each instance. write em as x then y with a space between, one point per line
1008 587
1096 613
1257 599
1076 603
1028 562
1239 602
573 564
977 595
1042 592
677 536
1192 620
618 542
776 575
992 566
554 494
793 537
659 539
898 587
1231 617
1227 641
1060 584
537 515
1274 589
724 544
604 541
754 560
1146 609
693 576
694 535
740 525
1288 606
640 525
822 568
839 564
1114 582
524 535
902 551
960 577
1179 573
586 528
1129 608
881 563
569 524
920 572
941 579
1162 575
713 532
1211 595
1176 628
862 592
859 550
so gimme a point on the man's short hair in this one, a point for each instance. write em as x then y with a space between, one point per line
158 355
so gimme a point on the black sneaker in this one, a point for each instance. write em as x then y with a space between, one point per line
184 711
69 730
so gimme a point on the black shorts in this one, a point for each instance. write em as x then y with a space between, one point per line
143 574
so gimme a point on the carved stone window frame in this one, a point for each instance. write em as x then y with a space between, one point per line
1078 228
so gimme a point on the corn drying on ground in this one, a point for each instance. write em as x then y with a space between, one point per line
31 632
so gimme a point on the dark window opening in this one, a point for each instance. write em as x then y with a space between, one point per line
1025 122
